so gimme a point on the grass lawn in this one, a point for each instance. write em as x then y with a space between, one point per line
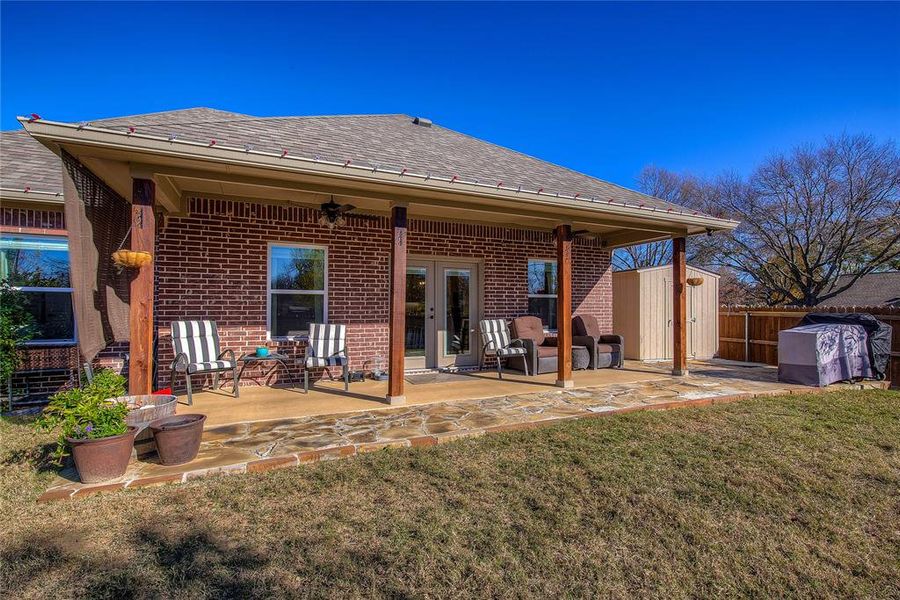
788 496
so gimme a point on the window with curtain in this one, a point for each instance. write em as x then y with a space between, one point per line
39 267
542 291
298 284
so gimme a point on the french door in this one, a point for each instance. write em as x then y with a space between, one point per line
441 313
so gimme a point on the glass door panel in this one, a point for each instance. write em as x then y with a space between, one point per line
457 300
457 287
418 345
416 282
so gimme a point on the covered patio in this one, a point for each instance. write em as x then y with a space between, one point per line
213 209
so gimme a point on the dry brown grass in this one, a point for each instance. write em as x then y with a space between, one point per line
790 496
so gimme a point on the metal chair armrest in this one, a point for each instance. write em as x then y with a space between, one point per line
516 343
181 359
229 352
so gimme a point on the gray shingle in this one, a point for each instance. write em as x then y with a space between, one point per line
874 289
25 163
387 141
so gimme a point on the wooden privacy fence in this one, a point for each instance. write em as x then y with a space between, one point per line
750 333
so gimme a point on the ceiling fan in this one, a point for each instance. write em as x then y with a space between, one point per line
333 214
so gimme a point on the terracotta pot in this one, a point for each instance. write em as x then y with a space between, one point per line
178 438
104 458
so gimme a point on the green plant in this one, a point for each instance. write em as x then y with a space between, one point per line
16 327
86 413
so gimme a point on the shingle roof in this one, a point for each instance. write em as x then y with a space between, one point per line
386 141
874 289
25 163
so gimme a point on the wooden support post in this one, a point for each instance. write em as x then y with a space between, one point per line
564 305
679 307
143 237
397 319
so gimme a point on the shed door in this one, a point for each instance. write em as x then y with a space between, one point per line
694 313
668 328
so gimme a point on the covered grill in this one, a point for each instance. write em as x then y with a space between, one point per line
830 347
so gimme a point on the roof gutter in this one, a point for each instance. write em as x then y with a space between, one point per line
52 132
28 194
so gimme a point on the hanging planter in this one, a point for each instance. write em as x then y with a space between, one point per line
132 259
694 281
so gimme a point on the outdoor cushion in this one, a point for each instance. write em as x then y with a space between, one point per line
610 348
545 351
213 365
529 328
586 325
326 340
495 333
199 340
326 361
512 351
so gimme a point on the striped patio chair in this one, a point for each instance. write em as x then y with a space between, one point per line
326 348
497 341
197 351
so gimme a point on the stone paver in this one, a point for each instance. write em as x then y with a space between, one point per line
266 445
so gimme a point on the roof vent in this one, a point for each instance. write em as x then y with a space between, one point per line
422 121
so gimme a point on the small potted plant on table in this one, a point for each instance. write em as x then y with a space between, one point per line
93 427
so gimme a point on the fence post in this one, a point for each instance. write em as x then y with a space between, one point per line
746 336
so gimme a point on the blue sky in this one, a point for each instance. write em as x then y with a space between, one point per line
602 88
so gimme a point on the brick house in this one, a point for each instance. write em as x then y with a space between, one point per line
445 230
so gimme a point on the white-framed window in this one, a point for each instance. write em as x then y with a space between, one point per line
542 290
297 288
38 265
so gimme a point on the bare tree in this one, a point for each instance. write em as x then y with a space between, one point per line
810 216
665 185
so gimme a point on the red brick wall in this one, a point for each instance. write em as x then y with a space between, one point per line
211 264
44 370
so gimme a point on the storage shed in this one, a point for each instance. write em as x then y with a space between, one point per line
642 312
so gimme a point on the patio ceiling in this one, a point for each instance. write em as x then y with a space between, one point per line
184 168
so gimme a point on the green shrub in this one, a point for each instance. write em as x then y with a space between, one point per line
86 413
16 327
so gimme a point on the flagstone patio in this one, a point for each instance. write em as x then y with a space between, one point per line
253 446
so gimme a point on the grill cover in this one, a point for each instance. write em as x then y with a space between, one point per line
822 354
879 335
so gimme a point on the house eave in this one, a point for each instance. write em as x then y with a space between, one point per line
29 195
140 147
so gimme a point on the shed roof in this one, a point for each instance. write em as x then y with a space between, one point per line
669 267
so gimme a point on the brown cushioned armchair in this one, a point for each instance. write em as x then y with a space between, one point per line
541 350
607 350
